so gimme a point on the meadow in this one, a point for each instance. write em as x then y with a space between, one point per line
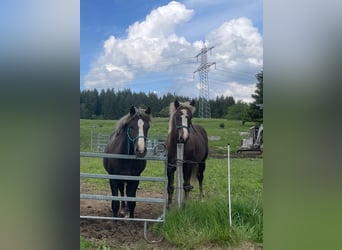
200 224
221 132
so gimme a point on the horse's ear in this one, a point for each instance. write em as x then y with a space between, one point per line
192 103
132 110
148 111
176 104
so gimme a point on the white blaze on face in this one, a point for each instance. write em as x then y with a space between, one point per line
185 123
141 141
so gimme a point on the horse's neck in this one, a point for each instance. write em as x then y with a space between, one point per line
119 143
172 137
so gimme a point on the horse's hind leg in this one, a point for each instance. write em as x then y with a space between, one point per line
131 189
115 204
200 176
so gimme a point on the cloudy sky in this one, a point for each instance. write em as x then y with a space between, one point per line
150 46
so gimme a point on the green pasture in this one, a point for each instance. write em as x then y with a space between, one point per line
221 132
199 224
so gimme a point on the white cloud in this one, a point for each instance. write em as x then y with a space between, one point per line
237 41
240 92
161 22
153 45
150 46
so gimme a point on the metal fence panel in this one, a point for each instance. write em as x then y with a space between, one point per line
157 153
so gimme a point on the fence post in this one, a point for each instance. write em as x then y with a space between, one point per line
229 198
179 187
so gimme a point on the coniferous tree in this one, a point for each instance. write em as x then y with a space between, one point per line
255 111
110 104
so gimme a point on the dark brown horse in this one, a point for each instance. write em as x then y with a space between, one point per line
194 137
129 138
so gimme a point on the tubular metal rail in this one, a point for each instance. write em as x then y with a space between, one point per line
158 153
99 141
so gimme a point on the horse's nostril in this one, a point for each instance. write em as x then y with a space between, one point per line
140 153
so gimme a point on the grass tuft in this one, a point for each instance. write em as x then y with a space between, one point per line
199 223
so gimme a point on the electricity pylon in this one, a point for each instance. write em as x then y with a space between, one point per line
203 69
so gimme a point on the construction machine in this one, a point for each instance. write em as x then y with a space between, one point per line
254 144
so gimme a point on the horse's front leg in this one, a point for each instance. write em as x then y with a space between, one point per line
115 204
131 189
122 193
123 210
170 183
187 171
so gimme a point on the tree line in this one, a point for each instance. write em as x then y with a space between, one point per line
111 104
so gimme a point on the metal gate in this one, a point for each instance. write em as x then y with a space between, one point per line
99 141
158 153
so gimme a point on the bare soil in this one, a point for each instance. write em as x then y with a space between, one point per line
115 233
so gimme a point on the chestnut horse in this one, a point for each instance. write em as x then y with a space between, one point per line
194 137
129 138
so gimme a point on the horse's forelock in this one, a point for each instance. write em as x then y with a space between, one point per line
127 118
189 106
142 113
173 109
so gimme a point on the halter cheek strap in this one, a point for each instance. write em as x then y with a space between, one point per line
130 139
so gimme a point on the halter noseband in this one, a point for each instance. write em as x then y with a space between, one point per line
182 126
130 139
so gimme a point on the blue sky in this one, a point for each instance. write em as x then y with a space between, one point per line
150 46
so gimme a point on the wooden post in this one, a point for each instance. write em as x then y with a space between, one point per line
179 186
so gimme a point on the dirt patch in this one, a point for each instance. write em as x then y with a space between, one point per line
119 234
214 138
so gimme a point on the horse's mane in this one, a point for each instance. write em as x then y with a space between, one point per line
127 118
173 109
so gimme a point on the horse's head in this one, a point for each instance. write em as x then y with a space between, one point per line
181 119
137 129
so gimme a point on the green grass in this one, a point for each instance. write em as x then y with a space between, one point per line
159 127
89 245
201 223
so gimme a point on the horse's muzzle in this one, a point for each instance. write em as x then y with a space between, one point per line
140 154
182 140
